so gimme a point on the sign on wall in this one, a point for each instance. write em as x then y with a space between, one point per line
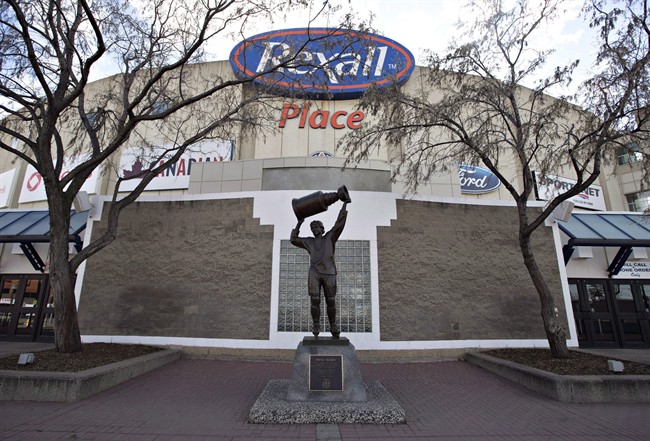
33 188
320 119
177 176
634 270
591 198
6 185
322 63
477 180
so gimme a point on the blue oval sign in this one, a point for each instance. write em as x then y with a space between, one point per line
321 63
477 180
322 154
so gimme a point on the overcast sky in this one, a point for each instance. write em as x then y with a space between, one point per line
429 24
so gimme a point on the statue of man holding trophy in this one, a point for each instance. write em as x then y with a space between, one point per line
321 248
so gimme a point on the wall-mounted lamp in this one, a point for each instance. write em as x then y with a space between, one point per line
82 202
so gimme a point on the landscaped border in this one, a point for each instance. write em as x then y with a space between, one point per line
568 388
74 386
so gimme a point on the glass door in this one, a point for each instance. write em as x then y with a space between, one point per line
45 331
642 298
629 314
20 305
611 313
10 287
601 321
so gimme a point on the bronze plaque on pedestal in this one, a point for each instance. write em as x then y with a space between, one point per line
325 372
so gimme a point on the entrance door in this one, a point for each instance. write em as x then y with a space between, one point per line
631 304
21 306
611 313
600 323
593 313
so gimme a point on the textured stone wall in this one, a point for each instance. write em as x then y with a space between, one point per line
455 272
182 269
202 269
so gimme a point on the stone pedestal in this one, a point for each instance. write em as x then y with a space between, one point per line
325 387
326 369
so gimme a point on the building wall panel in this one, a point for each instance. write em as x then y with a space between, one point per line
182 269
454 272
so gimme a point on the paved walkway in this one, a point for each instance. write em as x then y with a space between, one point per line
210 399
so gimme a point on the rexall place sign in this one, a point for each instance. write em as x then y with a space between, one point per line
321 63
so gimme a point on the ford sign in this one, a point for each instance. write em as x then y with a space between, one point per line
321 63
477 180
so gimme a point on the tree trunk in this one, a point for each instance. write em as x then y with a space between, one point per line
555 333
62 280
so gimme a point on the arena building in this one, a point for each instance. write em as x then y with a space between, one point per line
203 261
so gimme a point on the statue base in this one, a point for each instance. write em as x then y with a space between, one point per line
325 387
326 369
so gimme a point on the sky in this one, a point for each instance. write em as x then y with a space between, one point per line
429 24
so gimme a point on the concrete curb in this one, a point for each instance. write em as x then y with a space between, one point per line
74 386
568 388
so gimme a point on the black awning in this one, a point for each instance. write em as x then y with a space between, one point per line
28 227
621 230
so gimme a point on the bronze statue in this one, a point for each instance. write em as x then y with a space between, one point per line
321 247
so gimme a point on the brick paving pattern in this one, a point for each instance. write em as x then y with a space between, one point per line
210 400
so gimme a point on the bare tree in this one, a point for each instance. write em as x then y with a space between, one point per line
469 108
54 116
620 90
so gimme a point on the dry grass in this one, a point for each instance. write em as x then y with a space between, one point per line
579 363
92 355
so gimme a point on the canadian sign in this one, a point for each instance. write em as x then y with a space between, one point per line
477 180
550 186
321 63
134 160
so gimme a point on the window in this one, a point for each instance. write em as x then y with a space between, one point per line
629 154
353 297
638 201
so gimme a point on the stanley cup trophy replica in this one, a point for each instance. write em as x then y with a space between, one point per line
318 202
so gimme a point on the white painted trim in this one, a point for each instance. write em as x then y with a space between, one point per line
94 215
371 210
294 338
81 270
564 279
